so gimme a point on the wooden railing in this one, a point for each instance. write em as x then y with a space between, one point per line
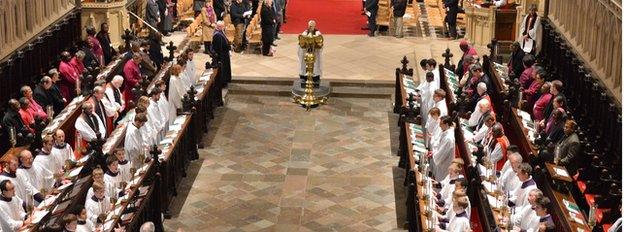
593 29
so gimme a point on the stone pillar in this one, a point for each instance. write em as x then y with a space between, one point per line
480 25
114 13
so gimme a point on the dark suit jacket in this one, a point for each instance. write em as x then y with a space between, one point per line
152 14
372 6
267 21
516 63
399 7
43 97
59 104
568 150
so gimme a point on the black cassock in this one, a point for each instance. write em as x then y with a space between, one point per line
221 47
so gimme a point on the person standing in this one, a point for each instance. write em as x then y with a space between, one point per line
221 47
105 41
152 16
219 8
198 5
132 74
452 9
96 47
70 77
208 19
528 28
278 6
398 10
371 11
238 16
267 22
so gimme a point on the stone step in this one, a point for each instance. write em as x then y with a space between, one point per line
284 88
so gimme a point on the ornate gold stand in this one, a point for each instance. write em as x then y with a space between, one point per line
310 44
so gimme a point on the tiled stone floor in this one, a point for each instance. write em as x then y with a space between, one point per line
271 166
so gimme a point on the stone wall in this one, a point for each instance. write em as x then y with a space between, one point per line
594 29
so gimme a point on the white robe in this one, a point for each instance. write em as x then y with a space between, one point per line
495 154
426 100
176 94
133 143
112 184
525 218
61 155
190 72
12 212
155 120
48 166
163 108
481 133
458 224
433 132
318 69
474 117
23 188
90 192
35 176
509 180
520 197
443 154
447 188
85 130
533 34
95 208
124 171
111 97
87 227
442 106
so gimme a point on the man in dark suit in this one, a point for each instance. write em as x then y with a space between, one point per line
12 119
42 94
267 22
105 42
55 92
371 12
452 9
152 15
219 8
567 150
221 47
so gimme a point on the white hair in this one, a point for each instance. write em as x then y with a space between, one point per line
311 23
118 78
221 24
482 86
515 155
484 103
147 227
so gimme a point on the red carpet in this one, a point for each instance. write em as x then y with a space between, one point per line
332 16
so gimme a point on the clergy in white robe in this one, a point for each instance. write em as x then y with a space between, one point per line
45 160
34 174
114 94
461 221
61 151
448 184
519 197
113 180
104 109
439 101
11 206
185 78
89 125
496 147
433 127
84 225
508 177
176 92
479 113
154 116
124 165
432 67
23 188
528 37
134 144
190 67
98 204
483 129
444 152
525 217
426 90
318 68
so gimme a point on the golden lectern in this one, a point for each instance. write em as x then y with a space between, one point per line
310 43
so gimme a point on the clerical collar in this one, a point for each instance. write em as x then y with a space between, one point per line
94 198
81 222
113 174
528 183
60 146
5 173
462 214
43 152
545 218
124 162
6 199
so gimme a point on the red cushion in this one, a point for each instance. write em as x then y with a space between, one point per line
582 186
605 227
599 214
590 198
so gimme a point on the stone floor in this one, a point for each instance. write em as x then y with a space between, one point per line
271 166
347 57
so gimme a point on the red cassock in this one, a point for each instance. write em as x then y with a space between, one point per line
97 49
69 76
78 65
132 75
